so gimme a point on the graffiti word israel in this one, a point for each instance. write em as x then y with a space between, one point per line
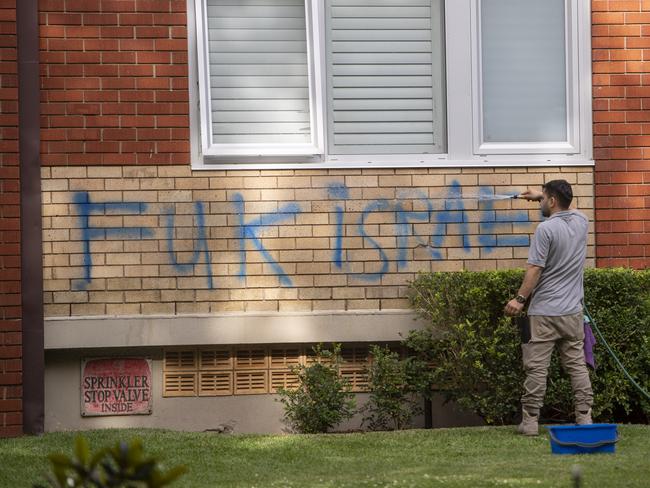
495 229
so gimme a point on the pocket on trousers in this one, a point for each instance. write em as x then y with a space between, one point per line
523 322
574 327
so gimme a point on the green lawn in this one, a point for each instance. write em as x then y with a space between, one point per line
467 457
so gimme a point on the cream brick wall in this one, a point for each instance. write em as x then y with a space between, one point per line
165 240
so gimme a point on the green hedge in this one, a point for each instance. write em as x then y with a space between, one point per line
475 350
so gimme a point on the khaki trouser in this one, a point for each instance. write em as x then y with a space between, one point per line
545 332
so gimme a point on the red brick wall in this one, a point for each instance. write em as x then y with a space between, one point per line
114 82
10 313
621 65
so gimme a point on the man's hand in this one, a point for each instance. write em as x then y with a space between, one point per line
513 308
531 195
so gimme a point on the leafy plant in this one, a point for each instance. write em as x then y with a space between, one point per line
476 355
322 399
123 465
394 384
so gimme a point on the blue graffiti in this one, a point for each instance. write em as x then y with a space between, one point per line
382 206
491 221
249 232
340 192
403 219
455 213
453 216
85 209
187 268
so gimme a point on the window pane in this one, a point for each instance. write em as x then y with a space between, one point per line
524 70
259 86
384 76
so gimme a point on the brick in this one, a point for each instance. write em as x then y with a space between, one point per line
11 431
10 379
626 55
192 308
13 419
280 294
170 19
261 306
330 280
99 19
494 179
328 304
313 268
400 181
607 18
294 306
140 296
157 308
388 304
123 309
85 309
637 17
608 42
118 5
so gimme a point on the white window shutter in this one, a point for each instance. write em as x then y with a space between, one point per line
258 72
384 77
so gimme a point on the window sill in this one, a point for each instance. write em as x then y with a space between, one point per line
377 161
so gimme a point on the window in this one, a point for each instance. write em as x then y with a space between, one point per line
526 86
255 71
351 83
384 77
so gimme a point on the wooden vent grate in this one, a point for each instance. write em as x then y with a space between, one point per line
180 360
215 383
357 377
251 359
215 359
355 355
285 358
282 379
251 382
179 384
311 358
251 370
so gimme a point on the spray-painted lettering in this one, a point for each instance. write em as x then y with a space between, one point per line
187 268
446 216
85 209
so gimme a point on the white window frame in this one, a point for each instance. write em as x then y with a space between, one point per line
572 143
211 149
464 138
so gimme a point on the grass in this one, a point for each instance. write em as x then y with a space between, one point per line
467 457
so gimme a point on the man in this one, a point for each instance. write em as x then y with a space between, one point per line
554 284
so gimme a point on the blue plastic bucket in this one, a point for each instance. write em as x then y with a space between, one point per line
583 439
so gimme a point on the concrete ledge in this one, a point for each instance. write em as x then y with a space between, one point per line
244 328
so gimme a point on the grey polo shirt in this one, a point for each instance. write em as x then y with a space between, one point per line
560 247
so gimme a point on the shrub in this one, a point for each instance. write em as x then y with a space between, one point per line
121 466
322 398
393 384
619 302
476 355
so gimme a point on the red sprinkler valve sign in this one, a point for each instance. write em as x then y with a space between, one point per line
115 386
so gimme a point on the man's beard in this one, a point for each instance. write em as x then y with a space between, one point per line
545 211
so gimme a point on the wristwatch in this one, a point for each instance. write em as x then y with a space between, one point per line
520 299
